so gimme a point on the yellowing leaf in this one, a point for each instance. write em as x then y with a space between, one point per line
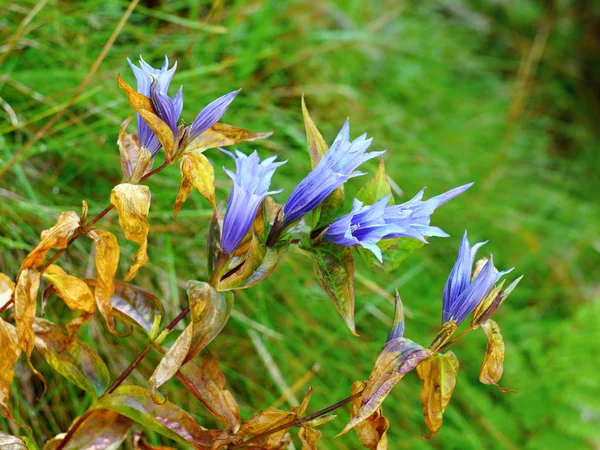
439 379
205 381
164 417
7 287
196 171
222 135
210 311
133 203
107 261
135 161
309 438
9 354
492 366
56 237
72 359
8 442
26 292
376 188
136 100
162 131
101 430
372 431
267 420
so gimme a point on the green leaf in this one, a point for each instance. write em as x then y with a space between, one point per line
258 265
394 251
102 429
376 188
330 207
75 361
163 417
334 267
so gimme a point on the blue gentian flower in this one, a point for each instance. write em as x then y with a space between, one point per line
154 83
420 214
463 292
335 168
251 182
367 225
364 226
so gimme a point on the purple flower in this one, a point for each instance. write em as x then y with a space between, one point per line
364 226
210 115
420 214
154 83
463 293
335 168
251 182
367 225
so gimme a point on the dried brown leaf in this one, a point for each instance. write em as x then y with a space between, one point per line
9 354
266 420
139 443
136 100
133 203
107 261
222 135
101 430
439 379
196 171
25 298
492 366
309 438
372 431
7 287
56 237
162 131
8 442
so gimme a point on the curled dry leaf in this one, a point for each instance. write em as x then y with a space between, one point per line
162 131
25 298
135 161
133 203
309 437
56 237
210 311
266 420
164 417
196 171
206 382
8 442
7 287
76 294
72 359
222 135
439 379
372 431
9 354
492 366
107 261
136 100
101 430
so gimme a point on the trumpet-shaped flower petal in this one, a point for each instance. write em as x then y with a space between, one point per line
154 83
211 114
251 182
463 293
335 168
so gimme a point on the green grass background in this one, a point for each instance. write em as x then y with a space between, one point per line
503 93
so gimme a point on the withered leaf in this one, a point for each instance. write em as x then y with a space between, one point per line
163 417
162 131
7 287
210 311
492 366
8 442
136 100
139 443
56 237
72 359
266 420
135 161
25 298
133 204
196 171
309 437
206 382
9 354
334 268
101 430
222 135
439 379
107 261
372 431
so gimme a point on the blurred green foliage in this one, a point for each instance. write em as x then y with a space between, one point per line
503 93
